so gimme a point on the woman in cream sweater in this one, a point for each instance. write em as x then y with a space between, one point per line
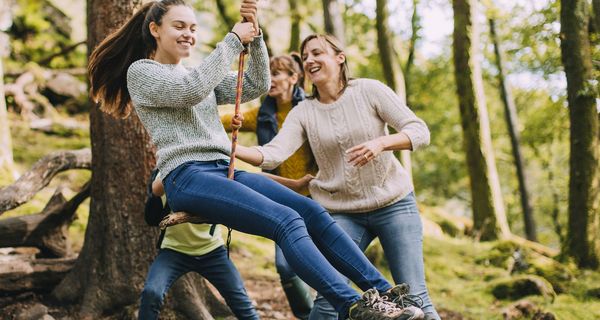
359 182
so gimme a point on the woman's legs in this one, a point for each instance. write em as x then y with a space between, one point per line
192 187
222 273
400 232
355 227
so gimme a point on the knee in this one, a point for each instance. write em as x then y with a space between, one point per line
152 296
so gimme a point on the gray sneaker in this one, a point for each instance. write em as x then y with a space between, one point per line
374 307
399 295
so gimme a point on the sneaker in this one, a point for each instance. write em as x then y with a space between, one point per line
373 307
399 295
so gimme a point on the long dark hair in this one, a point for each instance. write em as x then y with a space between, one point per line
337 47
107 68
292 64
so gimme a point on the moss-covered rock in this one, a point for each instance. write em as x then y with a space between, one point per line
522 286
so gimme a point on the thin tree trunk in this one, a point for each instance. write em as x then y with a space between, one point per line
6 155
512 122
489 216
583 235
415 23
295 20
391 71
334 24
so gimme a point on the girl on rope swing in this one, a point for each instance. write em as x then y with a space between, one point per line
140 66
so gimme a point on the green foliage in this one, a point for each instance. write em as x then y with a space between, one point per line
40 30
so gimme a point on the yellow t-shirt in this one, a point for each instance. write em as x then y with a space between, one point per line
192 239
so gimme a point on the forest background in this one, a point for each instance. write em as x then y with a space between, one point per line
509 187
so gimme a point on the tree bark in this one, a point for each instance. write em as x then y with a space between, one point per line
512 122
583 235
295 20
489 216
38 275
391 71
118 245
46 230
6 155
40 176
334 24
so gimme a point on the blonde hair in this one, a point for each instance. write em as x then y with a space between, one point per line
335 44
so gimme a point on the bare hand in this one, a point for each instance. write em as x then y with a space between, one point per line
245 31
248 11
236 121
361 154
158 188
302 183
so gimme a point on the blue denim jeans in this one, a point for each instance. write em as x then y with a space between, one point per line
400 232
312 242
215 267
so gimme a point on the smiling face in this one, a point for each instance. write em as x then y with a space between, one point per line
321 63
176 34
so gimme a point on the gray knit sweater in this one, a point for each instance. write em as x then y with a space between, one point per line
361 114
178 105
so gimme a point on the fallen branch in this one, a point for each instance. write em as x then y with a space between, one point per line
40 176
41 275
46 230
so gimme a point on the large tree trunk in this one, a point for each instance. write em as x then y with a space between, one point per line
583 239
512 122
489 216
332 16
119 246
392 72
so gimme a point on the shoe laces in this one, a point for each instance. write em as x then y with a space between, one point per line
376 302
403 299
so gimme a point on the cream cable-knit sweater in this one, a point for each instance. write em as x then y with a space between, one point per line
178 105
359 115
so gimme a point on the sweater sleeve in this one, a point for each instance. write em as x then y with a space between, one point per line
256 78
249 123
152 84
395 113
290 138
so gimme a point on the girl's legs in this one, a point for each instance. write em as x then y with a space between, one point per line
168 266
222 273
400 232
192 187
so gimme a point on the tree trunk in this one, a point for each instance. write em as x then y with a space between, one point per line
334 24
295 19
119 246
583 235
6 155
512 122
391 71
489 216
